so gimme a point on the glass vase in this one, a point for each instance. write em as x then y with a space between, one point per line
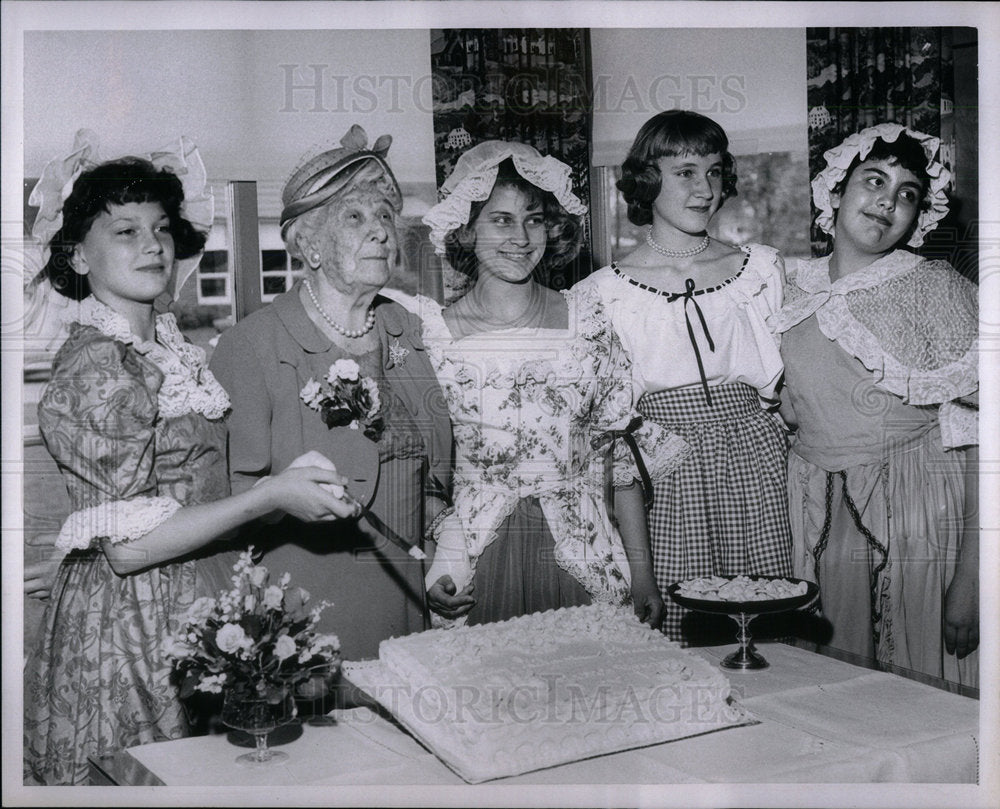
315 696
258 717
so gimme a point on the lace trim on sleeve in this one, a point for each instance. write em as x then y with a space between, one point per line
959 425
115 520
662 452
764 268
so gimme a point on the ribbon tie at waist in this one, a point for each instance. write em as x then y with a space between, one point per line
688 296
611 437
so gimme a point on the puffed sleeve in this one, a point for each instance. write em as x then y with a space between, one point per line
764 282
919 331
239 370
951 331
613 408
96 417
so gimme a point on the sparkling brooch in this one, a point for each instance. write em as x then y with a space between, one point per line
398 354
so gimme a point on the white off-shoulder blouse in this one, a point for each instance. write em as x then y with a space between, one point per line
734 344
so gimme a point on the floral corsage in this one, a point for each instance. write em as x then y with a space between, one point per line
345 398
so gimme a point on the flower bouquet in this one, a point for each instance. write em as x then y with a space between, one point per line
256 644
345 398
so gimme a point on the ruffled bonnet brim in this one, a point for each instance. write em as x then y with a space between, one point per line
475 174
859 144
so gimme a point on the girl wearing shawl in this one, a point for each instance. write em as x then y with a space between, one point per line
880 352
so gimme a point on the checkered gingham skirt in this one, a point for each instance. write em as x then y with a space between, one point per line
725 510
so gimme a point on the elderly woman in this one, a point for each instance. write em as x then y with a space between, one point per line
335 367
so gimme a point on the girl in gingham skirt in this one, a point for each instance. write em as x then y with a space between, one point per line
691 311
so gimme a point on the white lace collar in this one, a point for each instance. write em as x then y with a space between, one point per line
188 386
813 276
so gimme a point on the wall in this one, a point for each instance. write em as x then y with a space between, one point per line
230 92
749 80
234 92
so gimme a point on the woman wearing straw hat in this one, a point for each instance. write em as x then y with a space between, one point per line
334 366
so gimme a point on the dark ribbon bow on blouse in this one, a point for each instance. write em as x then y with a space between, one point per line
611 437
689 294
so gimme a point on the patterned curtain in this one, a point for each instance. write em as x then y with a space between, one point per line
860 77
520 84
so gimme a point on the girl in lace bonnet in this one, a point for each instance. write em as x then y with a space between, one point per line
541 539
133 418
564 230
116 182
881 352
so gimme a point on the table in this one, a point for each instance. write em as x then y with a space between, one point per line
822 720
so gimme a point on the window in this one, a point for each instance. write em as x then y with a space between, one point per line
277 275
213 278
770 207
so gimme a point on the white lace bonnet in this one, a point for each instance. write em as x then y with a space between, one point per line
839 159
58 177
475 174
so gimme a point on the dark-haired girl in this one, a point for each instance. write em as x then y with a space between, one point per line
133 418
880 351
691 312
531 376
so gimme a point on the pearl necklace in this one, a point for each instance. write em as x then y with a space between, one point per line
369 321
665 251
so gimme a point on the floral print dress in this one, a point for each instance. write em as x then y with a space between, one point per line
135 429
525 404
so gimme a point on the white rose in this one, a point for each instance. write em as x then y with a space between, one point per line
177 648
347 370
258 576
311 392
272 597
285 578
231 638
201 609
284 647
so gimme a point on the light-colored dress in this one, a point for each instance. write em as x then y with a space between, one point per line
525 404
705 365
136 430
880 366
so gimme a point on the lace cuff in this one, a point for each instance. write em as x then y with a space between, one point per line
451 556
663 452
116 520
959 425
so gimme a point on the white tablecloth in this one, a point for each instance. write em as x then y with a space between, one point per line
822 721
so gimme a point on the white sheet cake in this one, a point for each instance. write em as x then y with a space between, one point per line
501 699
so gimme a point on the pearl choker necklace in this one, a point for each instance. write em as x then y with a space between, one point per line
664 251
369 321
